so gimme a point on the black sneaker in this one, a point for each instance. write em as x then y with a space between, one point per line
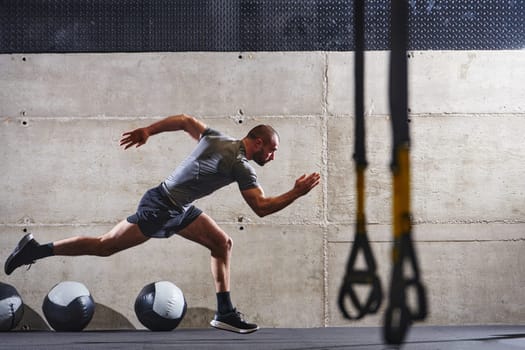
233 322
22 255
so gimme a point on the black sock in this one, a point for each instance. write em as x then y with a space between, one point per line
224 303
44 250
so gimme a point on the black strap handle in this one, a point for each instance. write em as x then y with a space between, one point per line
399 314
355 277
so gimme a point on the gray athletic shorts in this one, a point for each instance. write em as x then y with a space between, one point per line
158 217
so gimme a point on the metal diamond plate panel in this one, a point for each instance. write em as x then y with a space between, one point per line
251 25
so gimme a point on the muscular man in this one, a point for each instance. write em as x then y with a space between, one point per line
216 161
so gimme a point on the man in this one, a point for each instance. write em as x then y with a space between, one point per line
217 161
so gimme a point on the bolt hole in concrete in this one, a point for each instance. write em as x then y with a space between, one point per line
24 122
241 115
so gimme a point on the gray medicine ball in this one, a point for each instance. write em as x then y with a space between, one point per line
68 306
11 307
160 306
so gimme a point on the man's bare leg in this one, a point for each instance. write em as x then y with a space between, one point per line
123 236
206 232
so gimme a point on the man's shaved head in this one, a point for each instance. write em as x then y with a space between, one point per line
265 132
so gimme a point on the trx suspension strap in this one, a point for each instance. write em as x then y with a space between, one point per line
366 276
399 315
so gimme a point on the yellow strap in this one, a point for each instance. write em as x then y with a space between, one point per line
360 186
401 189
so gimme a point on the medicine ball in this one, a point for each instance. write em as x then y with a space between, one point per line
68 306
160 306
11 307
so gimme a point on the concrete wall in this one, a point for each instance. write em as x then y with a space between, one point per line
63 174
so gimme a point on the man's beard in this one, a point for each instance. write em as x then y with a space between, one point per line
258 158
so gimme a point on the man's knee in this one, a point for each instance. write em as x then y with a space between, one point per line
223 246
227 243
123 236
106 247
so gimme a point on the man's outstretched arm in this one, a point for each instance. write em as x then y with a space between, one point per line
184 122
263 205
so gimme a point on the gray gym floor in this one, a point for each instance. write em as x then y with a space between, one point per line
419 337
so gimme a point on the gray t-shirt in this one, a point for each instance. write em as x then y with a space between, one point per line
217 161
